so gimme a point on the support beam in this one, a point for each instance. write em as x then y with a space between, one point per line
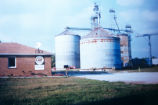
89 29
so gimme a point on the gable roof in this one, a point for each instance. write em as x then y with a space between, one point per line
19 49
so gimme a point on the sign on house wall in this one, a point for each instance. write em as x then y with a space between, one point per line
39 63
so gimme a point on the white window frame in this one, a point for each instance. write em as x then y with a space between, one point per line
8 62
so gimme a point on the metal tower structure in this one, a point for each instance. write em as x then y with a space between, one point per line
129 31
114 16
95 22
95 19
149 44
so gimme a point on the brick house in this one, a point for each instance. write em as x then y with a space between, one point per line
20 60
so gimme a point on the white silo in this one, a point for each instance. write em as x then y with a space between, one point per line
67 50
100 49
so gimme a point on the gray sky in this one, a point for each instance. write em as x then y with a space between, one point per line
37 21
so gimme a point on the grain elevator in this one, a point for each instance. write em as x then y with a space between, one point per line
98 49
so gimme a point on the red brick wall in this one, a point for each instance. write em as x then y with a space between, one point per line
25 66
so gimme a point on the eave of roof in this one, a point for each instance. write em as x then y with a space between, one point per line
16 54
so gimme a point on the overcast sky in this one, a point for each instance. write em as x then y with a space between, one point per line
36 22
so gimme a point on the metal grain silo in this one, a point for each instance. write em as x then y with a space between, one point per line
99 49
125 48
67 50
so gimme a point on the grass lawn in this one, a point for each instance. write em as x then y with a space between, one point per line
74 91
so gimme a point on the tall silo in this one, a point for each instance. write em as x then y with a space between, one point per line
125 48
67 50
100 49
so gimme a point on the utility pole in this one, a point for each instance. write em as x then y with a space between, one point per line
150 53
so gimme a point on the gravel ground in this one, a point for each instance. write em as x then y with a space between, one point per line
134 77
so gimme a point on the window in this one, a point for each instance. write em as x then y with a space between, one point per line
11 62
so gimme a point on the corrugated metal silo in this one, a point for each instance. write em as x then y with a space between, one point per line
99 49
67 50
125 48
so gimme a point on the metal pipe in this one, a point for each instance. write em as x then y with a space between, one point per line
75 28
116 23
89 29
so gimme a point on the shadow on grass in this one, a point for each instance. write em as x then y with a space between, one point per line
149 98
141 99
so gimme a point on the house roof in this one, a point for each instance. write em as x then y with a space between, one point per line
19 49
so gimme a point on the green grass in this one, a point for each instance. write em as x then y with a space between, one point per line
74 91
